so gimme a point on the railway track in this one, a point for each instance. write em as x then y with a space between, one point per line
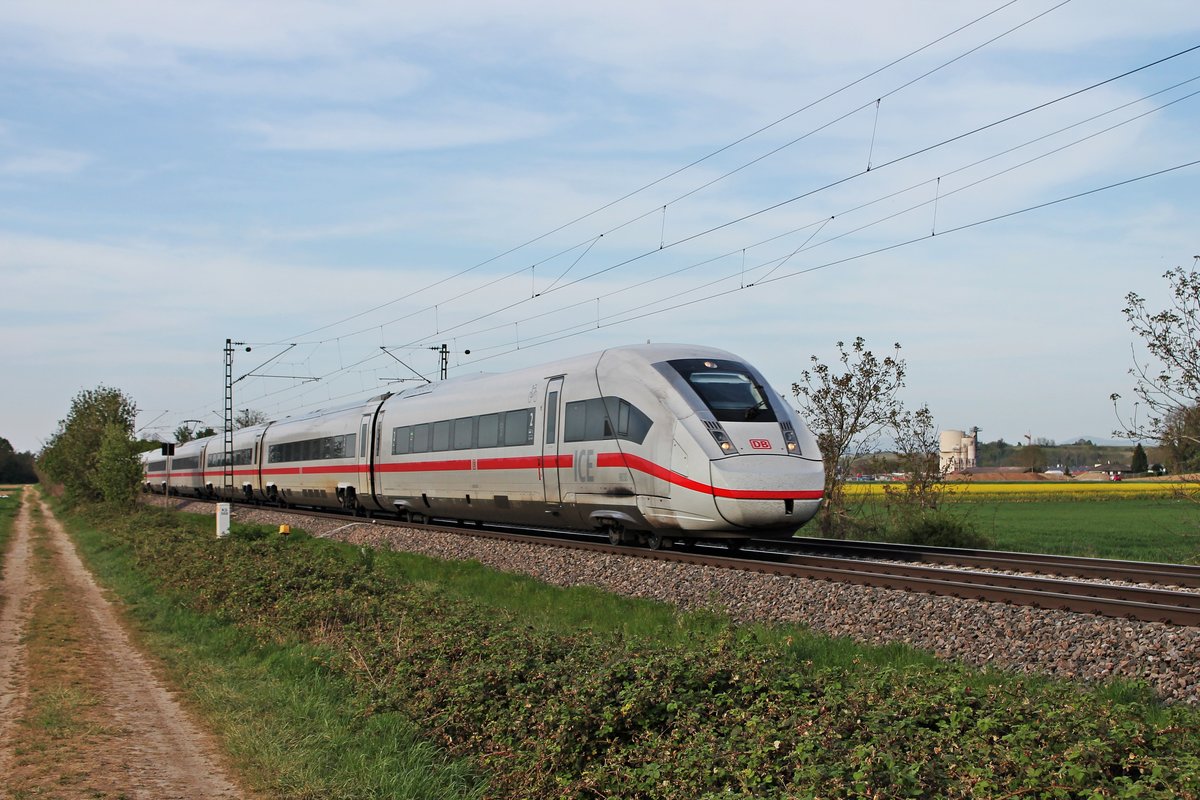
908 568
1072 566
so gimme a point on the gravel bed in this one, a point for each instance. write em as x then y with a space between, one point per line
1015 638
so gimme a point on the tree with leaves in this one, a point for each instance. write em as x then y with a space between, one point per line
118 468
1140 462
1179 440
72 455
186 433
847 408
15 467
1032 458
247 418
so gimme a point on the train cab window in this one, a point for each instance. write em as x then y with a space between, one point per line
441 435
489 430
727 389
464 433
421 438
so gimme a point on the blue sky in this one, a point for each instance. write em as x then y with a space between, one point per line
534 180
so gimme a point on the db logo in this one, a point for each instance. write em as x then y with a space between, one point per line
760 444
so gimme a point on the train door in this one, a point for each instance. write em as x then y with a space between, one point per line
363 473
552 435
253 471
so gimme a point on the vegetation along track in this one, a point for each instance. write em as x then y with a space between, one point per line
1017 638
890 567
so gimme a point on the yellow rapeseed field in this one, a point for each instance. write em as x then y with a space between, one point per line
1049 490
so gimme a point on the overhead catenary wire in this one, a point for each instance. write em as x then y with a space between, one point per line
690 165
527 343
559 284
832 184
581 328
726 175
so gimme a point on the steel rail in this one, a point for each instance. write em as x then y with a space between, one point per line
1128 602
1078 566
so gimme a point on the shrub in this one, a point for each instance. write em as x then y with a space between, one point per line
937 529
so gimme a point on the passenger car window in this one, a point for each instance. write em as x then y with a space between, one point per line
489 430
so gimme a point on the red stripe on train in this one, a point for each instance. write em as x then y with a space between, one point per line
566 461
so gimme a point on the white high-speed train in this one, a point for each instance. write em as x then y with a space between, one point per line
650 442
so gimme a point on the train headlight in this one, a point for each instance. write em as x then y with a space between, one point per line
791 442
719 436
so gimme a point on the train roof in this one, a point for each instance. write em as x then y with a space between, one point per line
650 353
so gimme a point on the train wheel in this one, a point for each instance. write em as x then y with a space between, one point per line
655 541
616 537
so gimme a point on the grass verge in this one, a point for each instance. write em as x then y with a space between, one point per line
581 705
293 727
9 506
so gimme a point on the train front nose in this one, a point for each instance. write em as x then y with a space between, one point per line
767 491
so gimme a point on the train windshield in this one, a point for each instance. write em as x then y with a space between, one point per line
728 389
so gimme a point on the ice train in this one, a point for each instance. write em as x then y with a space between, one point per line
657 443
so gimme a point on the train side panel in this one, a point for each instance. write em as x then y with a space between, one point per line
312 460
466 449
246 471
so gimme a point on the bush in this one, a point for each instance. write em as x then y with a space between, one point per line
72 456
937 529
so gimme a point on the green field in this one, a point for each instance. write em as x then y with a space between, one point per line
334 671
1137 529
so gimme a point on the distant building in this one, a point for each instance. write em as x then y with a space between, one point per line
957 450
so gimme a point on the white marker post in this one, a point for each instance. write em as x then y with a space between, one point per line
223 513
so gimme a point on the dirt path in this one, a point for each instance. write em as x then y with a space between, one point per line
82 712
17 587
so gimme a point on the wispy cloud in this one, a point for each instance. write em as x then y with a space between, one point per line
362 132
44 162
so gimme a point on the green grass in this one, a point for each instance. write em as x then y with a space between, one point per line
1133 528
577 694
293 727
1146 530
58 710
9 506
